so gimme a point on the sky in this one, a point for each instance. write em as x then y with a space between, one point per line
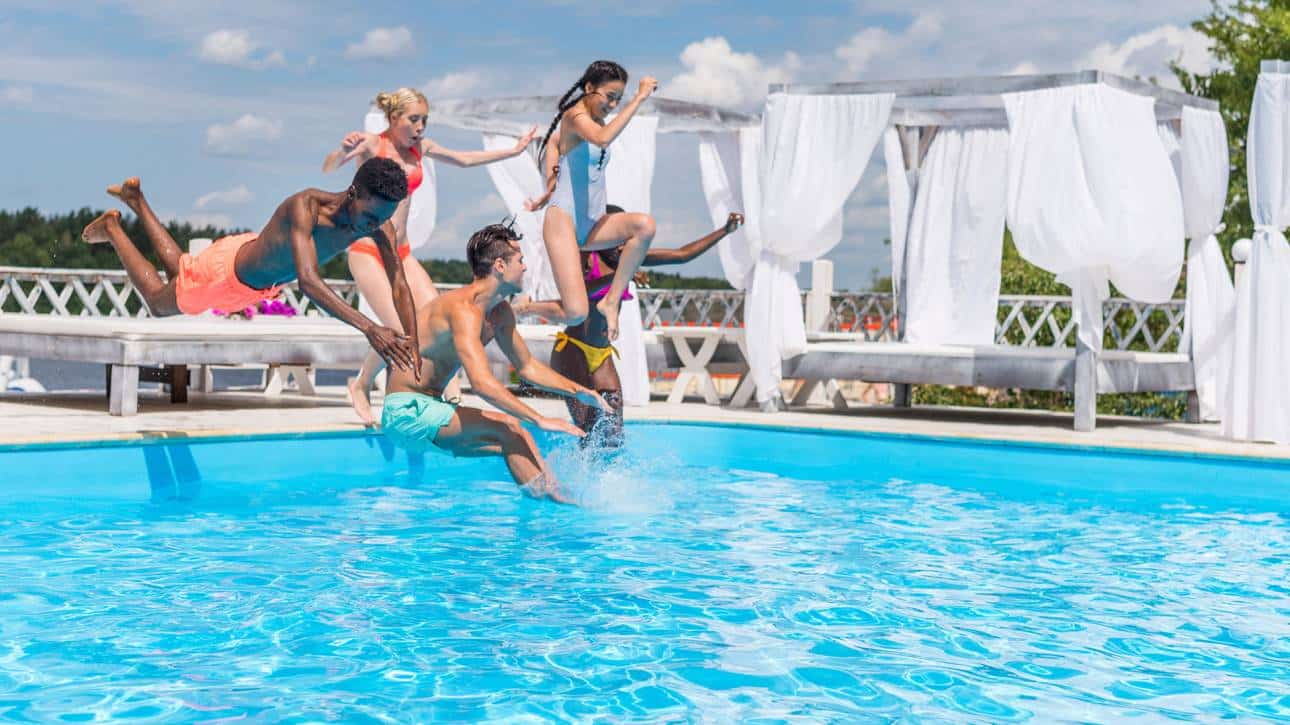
226 108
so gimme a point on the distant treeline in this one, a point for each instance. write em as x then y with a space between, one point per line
29 238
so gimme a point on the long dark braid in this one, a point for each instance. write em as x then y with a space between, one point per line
601 71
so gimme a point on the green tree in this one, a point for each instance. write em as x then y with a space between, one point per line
1243 33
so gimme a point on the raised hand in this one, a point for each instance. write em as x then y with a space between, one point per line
735 221
352 140
649 84
525 140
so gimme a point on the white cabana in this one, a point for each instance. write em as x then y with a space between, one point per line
629 180
1258 403
1073 161
794 176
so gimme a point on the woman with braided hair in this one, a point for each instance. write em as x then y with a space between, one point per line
575 198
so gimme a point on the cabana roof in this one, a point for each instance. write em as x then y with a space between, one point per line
493 115
978 101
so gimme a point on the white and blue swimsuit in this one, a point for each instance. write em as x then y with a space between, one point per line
580 187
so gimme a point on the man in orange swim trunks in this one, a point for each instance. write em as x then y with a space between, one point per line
308 228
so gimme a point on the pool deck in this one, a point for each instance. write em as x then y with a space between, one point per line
70 417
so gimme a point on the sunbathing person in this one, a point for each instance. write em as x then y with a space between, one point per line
240 270
453 328
583 352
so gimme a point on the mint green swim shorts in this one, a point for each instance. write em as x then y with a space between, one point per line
412 420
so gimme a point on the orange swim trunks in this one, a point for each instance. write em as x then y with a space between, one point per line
367 246
208 280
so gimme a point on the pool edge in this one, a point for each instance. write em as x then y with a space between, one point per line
145 438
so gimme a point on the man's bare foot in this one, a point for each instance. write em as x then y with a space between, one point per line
543 486
128 191
96 232
609 308
359 398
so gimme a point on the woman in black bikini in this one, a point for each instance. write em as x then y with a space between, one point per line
583 352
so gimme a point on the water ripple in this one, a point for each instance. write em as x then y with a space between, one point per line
681 592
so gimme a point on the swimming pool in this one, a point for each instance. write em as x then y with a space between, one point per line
723 573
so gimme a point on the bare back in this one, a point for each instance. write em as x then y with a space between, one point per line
440 359
269 260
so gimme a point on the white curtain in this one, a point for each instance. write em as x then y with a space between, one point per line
628 179
1092 196
1258 403
728 165
423 208
814 150
1211 300
517 179
956 238
898 192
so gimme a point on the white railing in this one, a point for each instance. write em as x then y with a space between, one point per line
1029 321
109 293
104 293
1024 320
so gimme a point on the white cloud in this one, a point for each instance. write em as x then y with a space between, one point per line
236 48
239 137
863 47
1148 54
454 85
16 95
715 73
383 44
450 236
228 197
1024 68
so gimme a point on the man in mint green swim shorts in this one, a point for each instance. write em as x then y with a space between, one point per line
453 329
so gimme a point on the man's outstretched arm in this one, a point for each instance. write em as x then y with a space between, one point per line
532 370
403 303
467 323
392 346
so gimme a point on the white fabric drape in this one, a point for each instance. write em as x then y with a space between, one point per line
517 179
728 166
814 150
1211 299
956 237
423 208
898 192
628 181
1092 196
1258 403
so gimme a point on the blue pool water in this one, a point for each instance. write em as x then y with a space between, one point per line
716 573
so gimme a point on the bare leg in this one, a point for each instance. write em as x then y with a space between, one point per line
566 266
604 430
476 432
159 296
607 432
369 274
129 192
636 233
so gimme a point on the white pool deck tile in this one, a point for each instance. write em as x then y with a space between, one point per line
56 417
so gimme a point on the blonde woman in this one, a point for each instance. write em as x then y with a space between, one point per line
403 142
